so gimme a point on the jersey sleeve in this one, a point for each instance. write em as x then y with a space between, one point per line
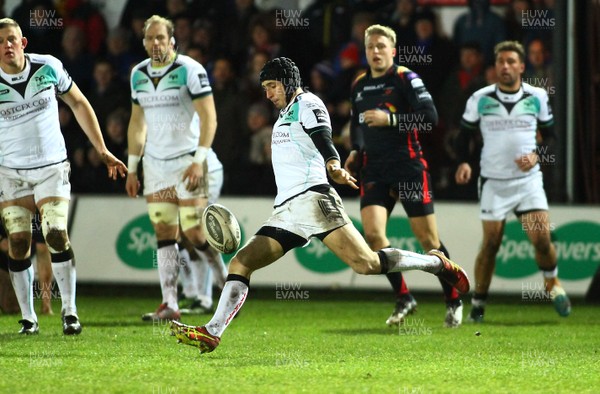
197 80
313 116
417 94
545 116
64 81
471 115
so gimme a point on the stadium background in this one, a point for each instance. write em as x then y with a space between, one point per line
98 41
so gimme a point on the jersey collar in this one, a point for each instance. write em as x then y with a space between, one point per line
20 77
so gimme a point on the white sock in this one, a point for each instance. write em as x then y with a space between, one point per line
204 280
216 263
185 274
232 298
65 275
23 284
167 258
403 260
551 274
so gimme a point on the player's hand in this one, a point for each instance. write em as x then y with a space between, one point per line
340 175
463 174
527 162
376 118
114 165
353 163
132 185
193 174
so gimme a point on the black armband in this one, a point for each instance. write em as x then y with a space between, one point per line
463 140
321 137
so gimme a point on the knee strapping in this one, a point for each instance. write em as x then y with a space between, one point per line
190 217
55 215
163 213
16 219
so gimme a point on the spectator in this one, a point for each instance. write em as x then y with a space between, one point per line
352 53
230 114
262 37
75 57
482 25
257 169
119 54
538 72
116 134
107 93
435 55
90 20
467 78
513 19
41 24
250 83
234 30
183 32
401 18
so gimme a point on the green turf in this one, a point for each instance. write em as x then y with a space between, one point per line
313 345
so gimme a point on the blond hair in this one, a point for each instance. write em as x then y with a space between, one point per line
381 31
6 22
161 20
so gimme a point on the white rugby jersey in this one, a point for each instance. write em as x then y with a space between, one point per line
297 163
166 95
30 135
508 123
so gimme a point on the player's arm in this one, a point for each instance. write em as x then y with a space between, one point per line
89 124
469 124
136 139
419 98
205 108
354 160
321 137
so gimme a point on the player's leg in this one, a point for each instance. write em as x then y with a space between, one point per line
267 246
376 205
537 227
44 268
164 216
196 279
16 215
190 213
347 243
425 230
485 264
54 212
43 265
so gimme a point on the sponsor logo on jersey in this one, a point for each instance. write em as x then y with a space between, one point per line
203 78
19 78
321 115
141 81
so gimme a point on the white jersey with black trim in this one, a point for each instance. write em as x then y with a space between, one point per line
166 95
508 123
297 163
30 135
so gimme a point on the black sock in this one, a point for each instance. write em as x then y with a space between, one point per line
450 293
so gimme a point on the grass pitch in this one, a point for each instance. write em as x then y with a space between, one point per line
327 342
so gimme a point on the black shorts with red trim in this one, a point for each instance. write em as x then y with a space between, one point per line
413 190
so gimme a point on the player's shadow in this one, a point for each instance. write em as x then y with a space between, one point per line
125 323
358 331
518 323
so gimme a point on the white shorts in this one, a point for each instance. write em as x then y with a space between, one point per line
49 181
309 214
164 174
215 184
500 197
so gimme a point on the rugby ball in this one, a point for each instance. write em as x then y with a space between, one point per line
221 228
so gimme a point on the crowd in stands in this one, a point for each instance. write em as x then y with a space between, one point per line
232 39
